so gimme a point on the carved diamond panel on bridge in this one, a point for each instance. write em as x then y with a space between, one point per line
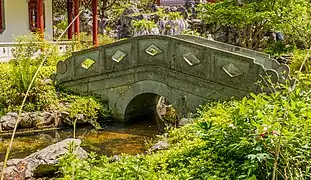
191 59
153 50
118 56
232 70
87 63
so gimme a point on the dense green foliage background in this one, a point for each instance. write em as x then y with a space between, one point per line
248 22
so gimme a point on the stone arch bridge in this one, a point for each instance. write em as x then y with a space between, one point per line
187 70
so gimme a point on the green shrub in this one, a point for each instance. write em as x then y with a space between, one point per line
16 76
298 58
14 81
248 139
27 46
86 109
33 49
143 24
248 23
22 74
102 38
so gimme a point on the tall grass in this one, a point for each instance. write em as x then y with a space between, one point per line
22 74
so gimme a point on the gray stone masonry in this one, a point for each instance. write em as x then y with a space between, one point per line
187 70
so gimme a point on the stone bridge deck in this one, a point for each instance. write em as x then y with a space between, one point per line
131 74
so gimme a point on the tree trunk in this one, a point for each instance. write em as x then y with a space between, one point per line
105 4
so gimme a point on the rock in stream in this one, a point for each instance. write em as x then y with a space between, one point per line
161 145
31 119
41 163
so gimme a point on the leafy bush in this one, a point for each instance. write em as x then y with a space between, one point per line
260 137
15 78
14 82
103 39
22 74
144 27
19 72
299 56
265 134
248 24
27 46
86 109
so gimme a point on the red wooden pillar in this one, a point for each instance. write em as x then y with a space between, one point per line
69 11
77 21
1 23
40 21
158 2
95 23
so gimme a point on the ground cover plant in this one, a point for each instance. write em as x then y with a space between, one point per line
259 137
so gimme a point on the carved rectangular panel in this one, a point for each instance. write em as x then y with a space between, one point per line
87 63
192 59
153 52
233 70
118 57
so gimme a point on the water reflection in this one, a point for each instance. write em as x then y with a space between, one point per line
115 138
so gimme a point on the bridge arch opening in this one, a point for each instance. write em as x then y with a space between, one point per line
151 108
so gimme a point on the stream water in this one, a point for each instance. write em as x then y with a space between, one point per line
114 139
